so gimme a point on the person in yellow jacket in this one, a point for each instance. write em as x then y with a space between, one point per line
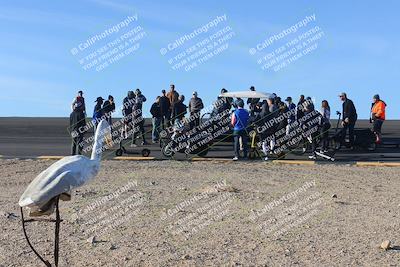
378 116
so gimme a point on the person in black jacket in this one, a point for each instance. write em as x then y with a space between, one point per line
195 107
349 118
222 104
165 107
309 106
77 124
98 111
127 113
138 120
180 109
156 120
109 108
269 111
300 111
252 102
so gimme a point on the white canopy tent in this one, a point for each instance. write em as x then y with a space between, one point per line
246 94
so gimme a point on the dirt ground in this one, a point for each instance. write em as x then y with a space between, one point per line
171 213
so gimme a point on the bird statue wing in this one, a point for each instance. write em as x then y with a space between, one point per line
59 178
42 193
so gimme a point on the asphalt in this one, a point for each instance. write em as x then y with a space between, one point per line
34 137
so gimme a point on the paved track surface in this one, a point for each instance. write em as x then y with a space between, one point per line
32 137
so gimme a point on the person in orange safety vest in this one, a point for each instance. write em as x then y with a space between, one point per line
378 116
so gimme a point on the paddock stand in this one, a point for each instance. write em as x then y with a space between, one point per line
57 222
324 156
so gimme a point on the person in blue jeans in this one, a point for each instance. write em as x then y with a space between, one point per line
240 120
156 120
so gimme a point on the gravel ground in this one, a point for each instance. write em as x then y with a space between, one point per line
171 213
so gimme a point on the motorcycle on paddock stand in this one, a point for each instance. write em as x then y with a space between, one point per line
363 138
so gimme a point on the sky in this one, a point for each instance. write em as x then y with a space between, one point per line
42 51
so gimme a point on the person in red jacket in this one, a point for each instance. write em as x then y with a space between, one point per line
378 116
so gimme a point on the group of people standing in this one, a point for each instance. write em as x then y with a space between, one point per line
274 106
102 109
169 109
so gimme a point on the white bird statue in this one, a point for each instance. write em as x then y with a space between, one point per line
57 181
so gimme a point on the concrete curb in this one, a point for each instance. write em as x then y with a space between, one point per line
49 157
295 162
227 160
212 159
134 158
377 164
